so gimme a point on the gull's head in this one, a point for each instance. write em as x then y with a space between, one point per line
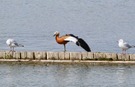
120 41
56 33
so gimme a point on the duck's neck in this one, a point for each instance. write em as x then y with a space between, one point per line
57 36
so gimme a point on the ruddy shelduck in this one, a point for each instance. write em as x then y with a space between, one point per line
71 38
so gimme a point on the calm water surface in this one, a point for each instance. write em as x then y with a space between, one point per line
99 22
66 75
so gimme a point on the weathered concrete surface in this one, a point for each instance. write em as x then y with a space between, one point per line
8 55
90 55
87 55
68 61
75 56
52 55
40 55
132 57
61 55
30 55
17 55
111 56
99 56
2 54
66 55
84 56
123 57
24 55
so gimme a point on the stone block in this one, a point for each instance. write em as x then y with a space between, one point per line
90 55
44 55
40 55
66 55
24 55
9 55
17 55
99 56
52 55
30 55
61 55
75 56
2 54
123 57
84 55
132 57
111 56
114 56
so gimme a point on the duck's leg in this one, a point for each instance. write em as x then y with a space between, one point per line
64 48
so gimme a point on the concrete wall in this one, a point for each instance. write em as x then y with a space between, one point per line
67 56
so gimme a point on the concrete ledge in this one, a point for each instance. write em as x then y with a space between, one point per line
40 55
24 55
67 61
52 56
75 56
67 56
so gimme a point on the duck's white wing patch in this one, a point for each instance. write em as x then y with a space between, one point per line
71 39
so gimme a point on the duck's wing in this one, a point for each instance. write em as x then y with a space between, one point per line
77 41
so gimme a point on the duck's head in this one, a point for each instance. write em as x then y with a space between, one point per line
56 33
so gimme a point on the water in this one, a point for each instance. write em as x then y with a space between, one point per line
99 22
66 75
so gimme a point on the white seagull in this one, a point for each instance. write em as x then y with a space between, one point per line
12 44
124 46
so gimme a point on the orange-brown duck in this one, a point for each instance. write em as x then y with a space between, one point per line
71 38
